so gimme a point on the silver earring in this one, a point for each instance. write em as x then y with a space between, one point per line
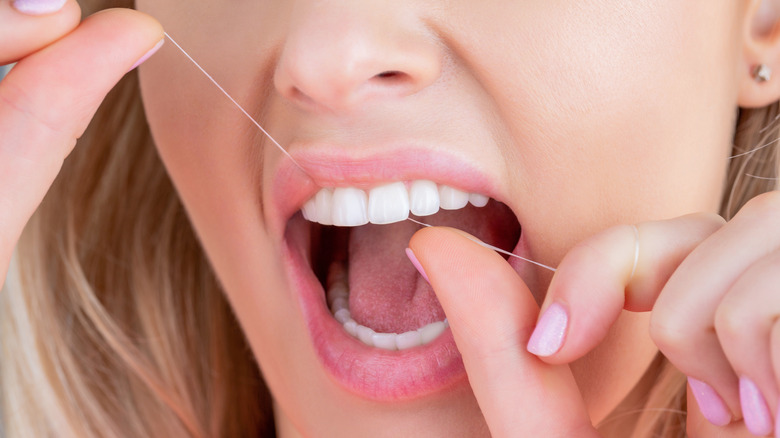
762 73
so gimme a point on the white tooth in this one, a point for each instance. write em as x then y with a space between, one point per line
323 202
452 198
349 207
309 210
408 340
478 200
388 204
384 340
342 316
336 273
424 198
338 290
339 304
431 331
366 335
351 327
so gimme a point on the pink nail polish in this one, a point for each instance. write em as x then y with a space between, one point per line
416 263
38 7
710 404
148 54
754 409
548 336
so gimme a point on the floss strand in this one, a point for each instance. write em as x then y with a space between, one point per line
284 151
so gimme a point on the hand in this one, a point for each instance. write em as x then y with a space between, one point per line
713 291
491 313
64 70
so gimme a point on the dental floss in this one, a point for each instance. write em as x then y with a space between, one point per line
486 245
237 105
494 248
636 252
234 101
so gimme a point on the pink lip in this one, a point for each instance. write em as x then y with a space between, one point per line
332 168
368 372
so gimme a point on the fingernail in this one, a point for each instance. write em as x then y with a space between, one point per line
754 408
148 54
710 404
416 263
38 7
548 336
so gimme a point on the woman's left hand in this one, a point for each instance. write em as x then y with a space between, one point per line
714 292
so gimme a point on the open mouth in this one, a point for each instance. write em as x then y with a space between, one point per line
375 324
358 241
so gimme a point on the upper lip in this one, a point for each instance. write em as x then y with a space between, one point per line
327 166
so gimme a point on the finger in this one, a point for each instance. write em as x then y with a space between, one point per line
697 426
621 268
743 322
491 313
47 100
683 320
22 33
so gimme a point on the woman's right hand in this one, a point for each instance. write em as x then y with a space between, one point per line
64 70
492 313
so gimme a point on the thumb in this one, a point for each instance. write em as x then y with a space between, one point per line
491 314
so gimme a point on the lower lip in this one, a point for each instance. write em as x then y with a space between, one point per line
369 372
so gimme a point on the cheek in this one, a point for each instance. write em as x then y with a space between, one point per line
213 155
617 113
210 149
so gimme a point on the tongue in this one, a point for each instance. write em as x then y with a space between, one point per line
386 292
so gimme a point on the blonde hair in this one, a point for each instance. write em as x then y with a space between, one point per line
122 329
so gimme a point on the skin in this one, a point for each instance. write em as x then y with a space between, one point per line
647 90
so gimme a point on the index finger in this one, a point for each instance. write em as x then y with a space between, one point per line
491 312
594 282
47 100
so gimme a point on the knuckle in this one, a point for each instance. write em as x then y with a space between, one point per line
669 334
733 320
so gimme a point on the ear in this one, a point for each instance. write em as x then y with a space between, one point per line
761 47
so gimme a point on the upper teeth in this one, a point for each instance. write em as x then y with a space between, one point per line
351 207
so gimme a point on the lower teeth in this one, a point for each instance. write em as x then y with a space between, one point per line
338 300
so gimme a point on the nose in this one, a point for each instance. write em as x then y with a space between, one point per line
340 54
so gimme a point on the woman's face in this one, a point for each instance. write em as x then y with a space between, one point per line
576 115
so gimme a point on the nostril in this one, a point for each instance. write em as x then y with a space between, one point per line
391 79
296 94
389 74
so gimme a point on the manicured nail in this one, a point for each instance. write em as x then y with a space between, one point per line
38 7
710 404
754 409
416 263
148 54
548 336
